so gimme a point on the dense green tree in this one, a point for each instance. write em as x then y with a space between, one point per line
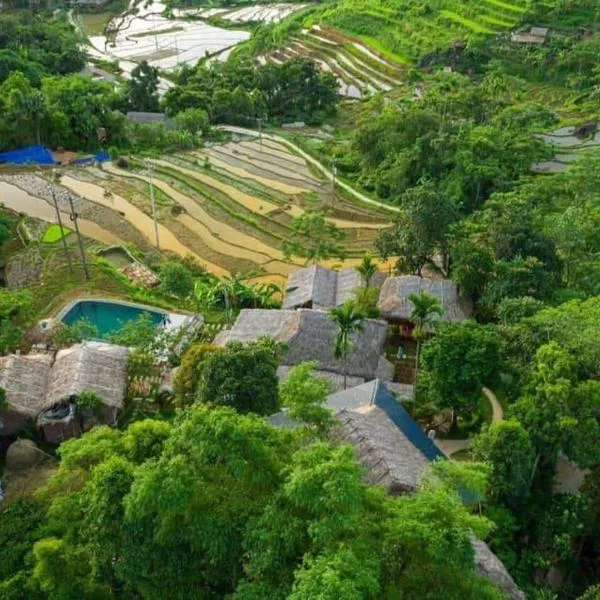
193 120
16 314
315 239
304 395
176 279
506 446
457 362
243 376
559 413
142 88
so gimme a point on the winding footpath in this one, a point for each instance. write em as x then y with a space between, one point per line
313 161
450 447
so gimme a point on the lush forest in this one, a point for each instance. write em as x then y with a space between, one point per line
196 495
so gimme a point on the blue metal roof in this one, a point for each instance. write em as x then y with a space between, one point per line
384 399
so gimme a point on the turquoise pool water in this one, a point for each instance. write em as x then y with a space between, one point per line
108 317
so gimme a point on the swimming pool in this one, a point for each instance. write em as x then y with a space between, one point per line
108 316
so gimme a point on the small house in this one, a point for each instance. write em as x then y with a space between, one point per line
536 35
395 453
319 288
309 335
42 390
24 379
396 308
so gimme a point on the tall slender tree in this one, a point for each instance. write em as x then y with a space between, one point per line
425 308
348 320
367 268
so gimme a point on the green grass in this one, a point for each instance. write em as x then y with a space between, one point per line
54 234
468 23
94 23
507 6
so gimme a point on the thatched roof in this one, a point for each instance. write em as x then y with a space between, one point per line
395 305
320 287
309 335
389 458
25 378
89 366
389 443
395 453
488 565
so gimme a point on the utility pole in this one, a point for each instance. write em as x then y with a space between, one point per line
334 175
74 217
153 202
59 219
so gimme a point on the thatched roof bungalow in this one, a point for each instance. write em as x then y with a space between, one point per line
309 336
396 307
395 453
24 378
94 366
320 288
41 388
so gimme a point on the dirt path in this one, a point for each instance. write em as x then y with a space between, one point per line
313 161
450 447
497 410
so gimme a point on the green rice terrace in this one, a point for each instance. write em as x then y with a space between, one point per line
406 31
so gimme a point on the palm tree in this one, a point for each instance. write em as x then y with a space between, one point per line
367 268
348 320
425 308
263 295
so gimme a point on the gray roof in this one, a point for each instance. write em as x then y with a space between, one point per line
324 288
150 118
488 565
25 379
309 335
394 302
395 453
390 459
94 366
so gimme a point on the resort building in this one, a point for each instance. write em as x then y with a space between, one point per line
395 453
320 288
309 336
395 305
43 390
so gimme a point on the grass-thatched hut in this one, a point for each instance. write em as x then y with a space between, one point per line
41 388
309 336
90 366
396 307
395 453
320 288
24 378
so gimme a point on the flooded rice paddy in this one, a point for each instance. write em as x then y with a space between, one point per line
230 213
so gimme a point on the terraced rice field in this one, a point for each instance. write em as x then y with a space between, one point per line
229 206
144 33
569 147
359 70
404 33
258 13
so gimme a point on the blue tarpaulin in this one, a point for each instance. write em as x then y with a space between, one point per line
33 154
103 156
